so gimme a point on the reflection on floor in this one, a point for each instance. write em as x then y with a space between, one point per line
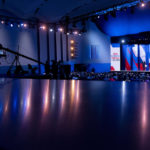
60 114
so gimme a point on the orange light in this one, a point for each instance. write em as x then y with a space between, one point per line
72 48
72 42
72 55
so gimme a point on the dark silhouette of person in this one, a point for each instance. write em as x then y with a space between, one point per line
47 67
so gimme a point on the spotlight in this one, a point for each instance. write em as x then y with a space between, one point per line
72 42
51 30
72 48
80 34
75 32
60 29
123 41
142 4
98 17
18 25
72 55
11 25
2 22
25 25
68 33
43 27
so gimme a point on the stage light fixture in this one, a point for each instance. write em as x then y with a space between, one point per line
72 48
11 25
142 4
72 41
60 29
25 25
75 32
2 22
43 27
123 41
21 24
98 17
51 30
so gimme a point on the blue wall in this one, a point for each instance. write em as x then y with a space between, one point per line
27 41
94 37
126 23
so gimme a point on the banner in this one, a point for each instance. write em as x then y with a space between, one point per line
115 57
135 57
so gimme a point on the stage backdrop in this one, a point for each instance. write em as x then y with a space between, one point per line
134 57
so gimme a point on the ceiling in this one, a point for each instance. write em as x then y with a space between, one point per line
53 10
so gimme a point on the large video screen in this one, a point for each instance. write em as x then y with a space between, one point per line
134 57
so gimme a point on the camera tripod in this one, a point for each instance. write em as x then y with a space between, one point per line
15 63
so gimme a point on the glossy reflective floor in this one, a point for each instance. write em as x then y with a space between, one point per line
49 115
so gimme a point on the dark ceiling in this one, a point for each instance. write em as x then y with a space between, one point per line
53 10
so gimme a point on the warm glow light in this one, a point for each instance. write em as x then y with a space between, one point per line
72 48
63 93
72 55
28 99
46 97
60 29
142 4
72 42
43 27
